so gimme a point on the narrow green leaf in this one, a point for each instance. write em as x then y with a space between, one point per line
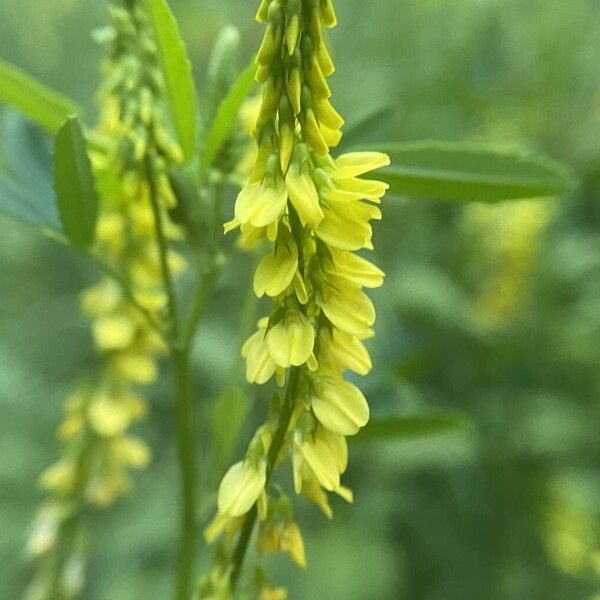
229 415
74 185
225 118
46 107
464 172
367 128
177 71
399 427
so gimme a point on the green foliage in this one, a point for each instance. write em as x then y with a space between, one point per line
75 185
26 174
19 203
370 126
399 427
464 172
46 107
225 117
178 76
229 415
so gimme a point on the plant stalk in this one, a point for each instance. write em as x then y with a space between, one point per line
186 452
285 417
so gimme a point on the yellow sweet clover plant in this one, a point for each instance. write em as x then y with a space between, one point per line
306 212
314 212
98 449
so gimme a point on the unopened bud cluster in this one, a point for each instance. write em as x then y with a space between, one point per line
315 213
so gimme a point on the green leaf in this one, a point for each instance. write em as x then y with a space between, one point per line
464 172
26 192
225 118
46 107
17 202
75 185
229 415
368 127
177 71
27 154
399 427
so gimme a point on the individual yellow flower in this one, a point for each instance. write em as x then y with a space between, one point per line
292 340
276 271
240 488
260 204
339 405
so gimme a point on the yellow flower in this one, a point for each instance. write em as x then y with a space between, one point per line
354 164
260 204
340 230
114 332
303 195
312 490
354 269
107 417
292 340
276 271
321 456
241 487
344 351
293 544
259 364
348 308
339 405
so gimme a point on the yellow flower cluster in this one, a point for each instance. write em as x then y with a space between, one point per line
315 212
98 451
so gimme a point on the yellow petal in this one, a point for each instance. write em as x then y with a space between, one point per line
337 446
340 406
349 309
292 340
319 458
259 365
130 451
102 298
341 232
137 367
365 188
354 164
355 269
276 271
331 136
260 204
348 352
304 196
114 332
313 491
293 544
240 488
107 417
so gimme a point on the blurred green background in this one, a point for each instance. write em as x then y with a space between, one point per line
492 311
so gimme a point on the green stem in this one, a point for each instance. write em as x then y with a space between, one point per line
186 451
187 463
163 249
285 417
